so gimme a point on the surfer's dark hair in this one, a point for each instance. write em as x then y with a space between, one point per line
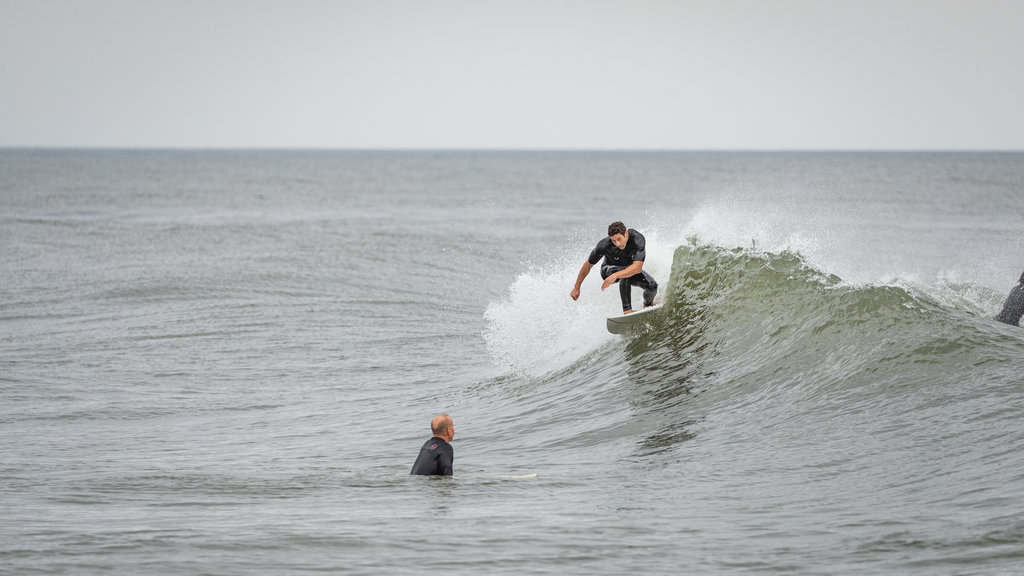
616 228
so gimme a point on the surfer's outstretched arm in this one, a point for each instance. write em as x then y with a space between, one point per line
579 279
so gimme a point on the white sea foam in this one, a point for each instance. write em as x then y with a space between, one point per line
538 328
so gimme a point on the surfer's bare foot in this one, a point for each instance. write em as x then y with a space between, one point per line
655 303
624 312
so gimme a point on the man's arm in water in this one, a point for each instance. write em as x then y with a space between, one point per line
445 460
631 270
579 279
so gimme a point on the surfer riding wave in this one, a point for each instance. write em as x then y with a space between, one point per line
624 251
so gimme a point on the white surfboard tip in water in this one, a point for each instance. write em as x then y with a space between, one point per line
622 323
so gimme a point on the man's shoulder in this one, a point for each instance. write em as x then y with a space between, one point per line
637 238
434 443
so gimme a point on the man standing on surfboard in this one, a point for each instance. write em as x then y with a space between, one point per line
624 251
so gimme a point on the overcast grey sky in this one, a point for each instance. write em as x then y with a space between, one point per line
630 74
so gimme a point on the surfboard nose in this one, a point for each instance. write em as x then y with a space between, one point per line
625 322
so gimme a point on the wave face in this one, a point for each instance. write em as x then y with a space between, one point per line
762 340
763 319
771 322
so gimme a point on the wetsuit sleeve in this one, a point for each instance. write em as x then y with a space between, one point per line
445 460
597 253
641 246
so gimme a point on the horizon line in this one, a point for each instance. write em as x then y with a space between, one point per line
505 149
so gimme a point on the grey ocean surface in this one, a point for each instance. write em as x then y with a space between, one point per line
225 363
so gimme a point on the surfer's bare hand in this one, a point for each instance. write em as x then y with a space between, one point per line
575 293
608 282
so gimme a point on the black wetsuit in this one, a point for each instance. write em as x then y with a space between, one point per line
1013 309
435 459
615 260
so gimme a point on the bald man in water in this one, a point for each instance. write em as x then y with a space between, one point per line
436 455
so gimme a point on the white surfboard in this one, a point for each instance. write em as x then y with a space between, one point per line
623 323
504 476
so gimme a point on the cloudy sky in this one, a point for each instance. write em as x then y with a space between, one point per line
629 74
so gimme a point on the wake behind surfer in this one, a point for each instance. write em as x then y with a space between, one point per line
624 251
436 456
1013 308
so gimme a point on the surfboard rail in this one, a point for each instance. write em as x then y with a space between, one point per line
625 322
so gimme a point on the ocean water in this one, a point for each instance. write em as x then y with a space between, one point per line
225 363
